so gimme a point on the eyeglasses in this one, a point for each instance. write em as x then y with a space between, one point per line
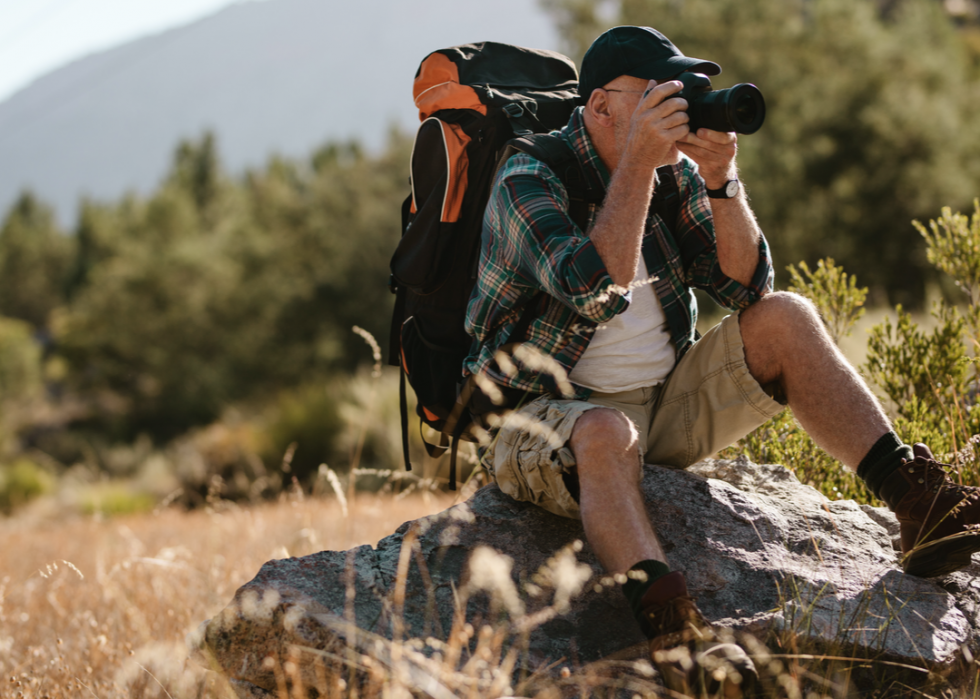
638 92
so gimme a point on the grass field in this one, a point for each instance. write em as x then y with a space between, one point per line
100 608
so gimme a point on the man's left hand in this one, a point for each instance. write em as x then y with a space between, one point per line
714 152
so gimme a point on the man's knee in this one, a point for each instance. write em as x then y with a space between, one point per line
780 316
781 308
605 439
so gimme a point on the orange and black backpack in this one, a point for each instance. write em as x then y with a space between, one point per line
477 103
472 100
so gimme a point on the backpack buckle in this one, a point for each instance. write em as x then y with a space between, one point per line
515 111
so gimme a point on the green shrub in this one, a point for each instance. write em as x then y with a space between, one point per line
927 376
21 482
114 498
306 423
222 460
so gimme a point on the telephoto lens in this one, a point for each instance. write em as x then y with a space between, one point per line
741 108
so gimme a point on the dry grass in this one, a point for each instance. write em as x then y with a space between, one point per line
95 607
92 608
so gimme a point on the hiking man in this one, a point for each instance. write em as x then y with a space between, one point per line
634 384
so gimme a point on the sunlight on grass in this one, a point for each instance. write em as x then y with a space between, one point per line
92 607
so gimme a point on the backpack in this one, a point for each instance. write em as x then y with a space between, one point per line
479 104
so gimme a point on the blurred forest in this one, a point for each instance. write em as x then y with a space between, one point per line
157 316
184 340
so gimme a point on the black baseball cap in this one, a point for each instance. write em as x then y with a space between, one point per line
640 52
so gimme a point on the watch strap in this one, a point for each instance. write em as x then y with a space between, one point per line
729 191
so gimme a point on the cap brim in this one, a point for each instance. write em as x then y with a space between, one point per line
663 68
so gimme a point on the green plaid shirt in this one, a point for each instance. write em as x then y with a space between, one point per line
530 245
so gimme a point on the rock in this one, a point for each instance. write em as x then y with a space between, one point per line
758 549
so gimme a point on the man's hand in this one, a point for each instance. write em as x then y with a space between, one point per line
714 152
657 124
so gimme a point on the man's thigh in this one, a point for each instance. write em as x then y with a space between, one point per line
709 401
529 455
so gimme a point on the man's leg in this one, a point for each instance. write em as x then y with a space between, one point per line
605 444
786 345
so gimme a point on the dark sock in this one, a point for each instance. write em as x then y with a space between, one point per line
883 460
635 589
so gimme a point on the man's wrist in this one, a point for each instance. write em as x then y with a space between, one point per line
719 181
730 190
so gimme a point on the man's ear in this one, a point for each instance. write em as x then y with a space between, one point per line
599 107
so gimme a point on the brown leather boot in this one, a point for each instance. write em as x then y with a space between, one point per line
686 649
940 520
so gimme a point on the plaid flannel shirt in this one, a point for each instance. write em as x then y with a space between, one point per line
530 245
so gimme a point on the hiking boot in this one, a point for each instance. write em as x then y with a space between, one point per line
685 647
940 520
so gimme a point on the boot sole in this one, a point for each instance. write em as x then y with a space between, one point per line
942 556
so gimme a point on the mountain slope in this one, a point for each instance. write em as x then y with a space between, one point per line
280 76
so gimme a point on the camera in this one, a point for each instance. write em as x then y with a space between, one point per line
740 108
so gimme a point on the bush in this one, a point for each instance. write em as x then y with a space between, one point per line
21 482
114 498
304 429
224 460
928 377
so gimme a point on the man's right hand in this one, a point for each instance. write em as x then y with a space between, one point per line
657 124
638 124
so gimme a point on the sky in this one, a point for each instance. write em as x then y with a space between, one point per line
37 36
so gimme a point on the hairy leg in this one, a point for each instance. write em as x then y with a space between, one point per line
786 343
604 442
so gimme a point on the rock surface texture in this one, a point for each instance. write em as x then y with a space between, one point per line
757 547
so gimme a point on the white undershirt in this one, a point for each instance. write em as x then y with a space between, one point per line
633 350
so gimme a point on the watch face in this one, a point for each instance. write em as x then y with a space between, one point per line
731 189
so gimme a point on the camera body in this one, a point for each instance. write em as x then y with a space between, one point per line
741 108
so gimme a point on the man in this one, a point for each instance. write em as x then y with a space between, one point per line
625 380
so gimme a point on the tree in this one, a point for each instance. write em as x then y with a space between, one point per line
34 258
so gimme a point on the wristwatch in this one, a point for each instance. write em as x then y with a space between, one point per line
729 191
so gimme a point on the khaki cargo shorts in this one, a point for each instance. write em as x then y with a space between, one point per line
708 402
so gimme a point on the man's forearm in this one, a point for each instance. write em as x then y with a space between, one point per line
737 237
618 230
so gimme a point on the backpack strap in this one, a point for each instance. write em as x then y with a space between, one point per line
666 201
557 155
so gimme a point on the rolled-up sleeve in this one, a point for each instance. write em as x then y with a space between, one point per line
700 255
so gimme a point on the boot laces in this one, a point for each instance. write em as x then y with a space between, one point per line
676 615
935 477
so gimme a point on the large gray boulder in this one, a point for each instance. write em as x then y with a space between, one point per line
758 548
